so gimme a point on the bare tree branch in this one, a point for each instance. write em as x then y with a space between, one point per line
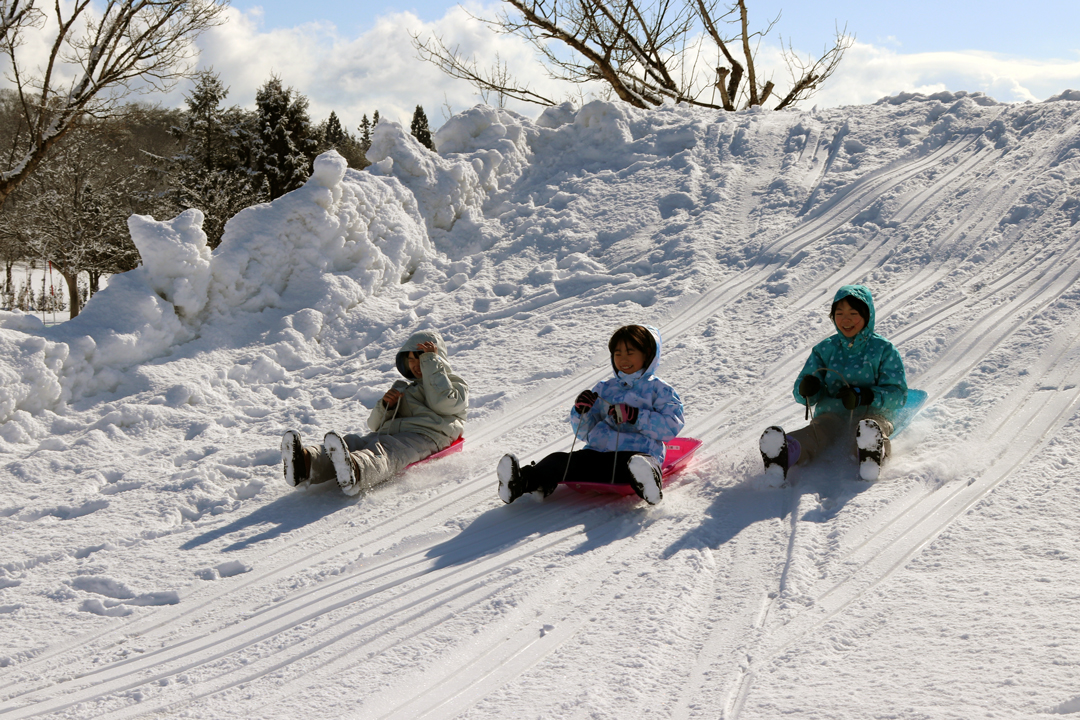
645 51
110 48
497 80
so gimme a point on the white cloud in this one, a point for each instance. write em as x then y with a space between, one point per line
869 73
353 76
378 69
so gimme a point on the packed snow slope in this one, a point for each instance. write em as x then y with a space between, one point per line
154 564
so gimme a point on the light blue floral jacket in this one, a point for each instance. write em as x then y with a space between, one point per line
660 412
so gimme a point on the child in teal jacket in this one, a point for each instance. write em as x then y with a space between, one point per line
853 375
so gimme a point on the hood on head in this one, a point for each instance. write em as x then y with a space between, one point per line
655 363
412 344
861 292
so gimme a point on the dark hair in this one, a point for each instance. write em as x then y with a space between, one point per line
402 362
633 336
856 304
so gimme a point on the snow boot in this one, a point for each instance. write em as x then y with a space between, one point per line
345 467
511 484
646 479
871 442
779 452
292 459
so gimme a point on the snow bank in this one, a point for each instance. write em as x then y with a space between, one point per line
314 253
30 375
481 151
329 245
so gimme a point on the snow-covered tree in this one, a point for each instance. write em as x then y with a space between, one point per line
420 129
77 204
286 145
96 52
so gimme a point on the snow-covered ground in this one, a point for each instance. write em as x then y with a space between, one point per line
155 565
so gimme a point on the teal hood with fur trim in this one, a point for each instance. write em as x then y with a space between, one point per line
866 360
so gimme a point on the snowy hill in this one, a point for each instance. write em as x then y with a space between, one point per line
155 565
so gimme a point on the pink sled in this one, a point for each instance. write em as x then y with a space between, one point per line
678 453
456 446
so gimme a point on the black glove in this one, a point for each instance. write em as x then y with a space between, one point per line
623 413
585 401
854 397
809 386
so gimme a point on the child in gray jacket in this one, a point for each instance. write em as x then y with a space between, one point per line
415 418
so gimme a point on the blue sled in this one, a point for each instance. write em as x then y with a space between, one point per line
915 400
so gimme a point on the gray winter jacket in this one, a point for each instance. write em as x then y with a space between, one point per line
434 405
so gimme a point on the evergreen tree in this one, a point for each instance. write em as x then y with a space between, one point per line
333 134
204 132
365 133
420 129
213 171
286 147
375 120
364 141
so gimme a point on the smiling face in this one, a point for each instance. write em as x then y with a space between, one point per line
628 359
848 320
414 365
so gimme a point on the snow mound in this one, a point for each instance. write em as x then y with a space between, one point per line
313 253
481 151
1070 95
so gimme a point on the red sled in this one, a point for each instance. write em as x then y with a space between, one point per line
678 452
456 446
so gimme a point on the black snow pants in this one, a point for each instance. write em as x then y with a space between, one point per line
585 466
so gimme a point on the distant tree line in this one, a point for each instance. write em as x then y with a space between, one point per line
72 210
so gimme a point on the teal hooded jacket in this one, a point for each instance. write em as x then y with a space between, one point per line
866 360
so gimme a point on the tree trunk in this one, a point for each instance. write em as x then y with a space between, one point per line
72 280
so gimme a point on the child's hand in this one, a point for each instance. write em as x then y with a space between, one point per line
426 347
809 386
585 401
391 397
623 413
854 397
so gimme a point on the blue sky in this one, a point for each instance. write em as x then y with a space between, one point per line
354 58
1038 29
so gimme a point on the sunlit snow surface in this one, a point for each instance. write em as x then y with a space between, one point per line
154 563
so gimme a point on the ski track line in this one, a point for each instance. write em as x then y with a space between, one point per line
260 633
884 558
929 526
303 599
503 659
343 658
696 315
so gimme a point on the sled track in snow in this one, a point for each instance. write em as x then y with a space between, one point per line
421 593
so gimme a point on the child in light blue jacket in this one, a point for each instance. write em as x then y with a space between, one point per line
624 422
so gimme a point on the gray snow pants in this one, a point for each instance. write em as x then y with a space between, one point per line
380 456
827 428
